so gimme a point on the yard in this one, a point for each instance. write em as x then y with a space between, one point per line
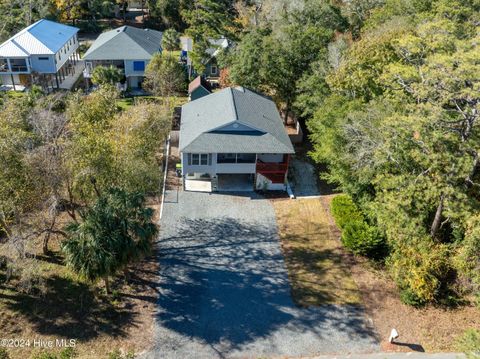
321 272
318 267
127 102
66 307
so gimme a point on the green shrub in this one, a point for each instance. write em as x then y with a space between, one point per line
408 297
345 211
117 354
420 267
469 343
4 354
363 239
68 353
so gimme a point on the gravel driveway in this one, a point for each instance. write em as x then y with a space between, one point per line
224 291
305 178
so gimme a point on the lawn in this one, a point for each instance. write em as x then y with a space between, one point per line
127 102
321 272
317 264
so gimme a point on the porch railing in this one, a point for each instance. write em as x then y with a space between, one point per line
267 167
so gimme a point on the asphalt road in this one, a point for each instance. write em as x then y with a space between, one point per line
224 290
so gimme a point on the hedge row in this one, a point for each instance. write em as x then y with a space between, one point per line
357 235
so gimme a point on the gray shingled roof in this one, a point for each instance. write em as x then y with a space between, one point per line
125 43
203 120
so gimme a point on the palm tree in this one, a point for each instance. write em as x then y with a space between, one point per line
170 40
103 75
115 232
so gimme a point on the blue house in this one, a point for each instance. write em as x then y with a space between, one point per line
128 48
46 52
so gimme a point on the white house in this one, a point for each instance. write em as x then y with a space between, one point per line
45 53
233 140
128 48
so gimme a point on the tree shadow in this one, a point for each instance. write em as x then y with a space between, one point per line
224 282
68 307
52 258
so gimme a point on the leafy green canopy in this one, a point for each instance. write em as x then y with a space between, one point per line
165 76
400 133
114 232
278 56
208 20
103 75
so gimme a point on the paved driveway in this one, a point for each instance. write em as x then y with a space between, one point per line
224 291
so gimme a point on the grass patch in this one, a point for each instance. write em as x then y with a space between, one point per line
127 102
317 265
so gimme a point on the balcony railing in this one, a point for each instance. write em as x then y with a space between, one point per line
267 167
19 68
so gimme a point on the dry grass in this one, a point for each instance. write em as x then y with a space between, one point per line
69 308
317 264
431 328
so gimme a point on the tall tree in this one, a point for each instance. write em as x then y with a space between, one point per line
164 76
400 133
103 75
208 20
116 231
170 40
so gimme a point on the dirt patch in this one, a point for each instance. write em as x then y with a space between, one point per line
317 264
69 308
173 181
427 329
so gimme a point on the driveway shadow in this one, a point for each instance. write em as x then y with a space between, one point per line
224 284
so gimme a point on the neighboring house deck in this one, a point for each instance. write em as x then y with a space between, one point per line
45 53
233 140
128 48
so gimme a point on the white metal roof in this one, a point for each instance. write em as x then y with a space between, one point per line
44 37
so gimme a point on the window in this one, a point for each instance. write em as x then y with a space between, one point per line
43 58
138 65
226 158
199 159
246 158
214 70
236 158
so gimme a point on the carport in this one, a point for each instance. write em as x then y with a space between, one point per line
235 182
